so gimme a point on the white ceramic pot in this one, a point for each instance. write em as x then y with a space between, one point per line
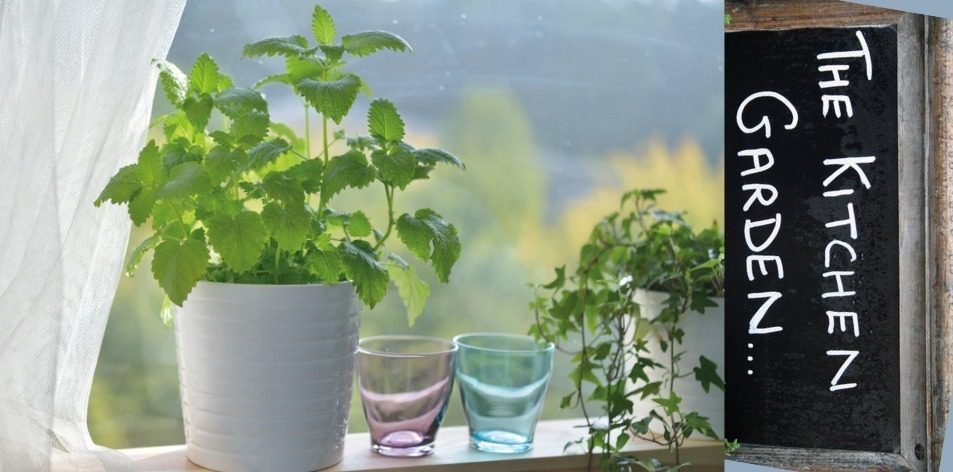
265 374
704 336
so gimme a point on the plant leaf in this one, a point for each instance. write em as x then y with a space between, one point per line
430 238
238 101
413 291
178 266
136 256
325 264
707 374
185 179
369 42
303 68
346 170
397 168
322 26
283 187
140 207
205 77
174 82
332 98
295 45
150 164
384 122
431 156
361 266
249 129
198 110
308 173
358 225
239 238
221 162
122 186
266 152
289 225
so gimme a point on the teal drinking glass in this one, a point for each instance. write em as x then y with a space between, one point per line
503 380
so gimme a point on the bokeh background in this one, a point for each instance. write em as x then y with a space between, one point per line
556 106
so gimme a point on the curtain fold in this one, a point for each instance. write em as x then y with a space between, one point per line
76 90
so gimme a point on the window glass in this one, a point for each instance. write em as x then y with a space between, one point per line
556 107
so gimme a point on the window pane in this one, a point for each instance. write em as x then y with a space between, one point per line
556 107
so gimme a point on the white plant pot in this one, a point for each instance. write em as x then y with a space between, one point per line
265 374
704 336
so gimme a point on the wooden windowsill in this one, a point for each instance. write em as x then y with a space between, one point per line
453 454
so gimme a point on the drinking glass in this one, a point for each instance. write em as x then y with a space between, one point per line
405 382
503 380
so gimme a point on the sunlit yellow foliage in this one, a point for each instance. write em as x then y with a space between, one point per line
693 186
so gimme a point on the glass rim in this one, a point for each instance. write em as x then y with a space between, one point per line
451 346
549 346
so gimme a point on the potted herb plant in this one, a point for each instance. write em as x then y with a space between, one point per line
627 354
267 276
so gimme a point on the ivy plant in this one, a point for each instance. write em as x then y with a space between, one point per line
233 196
590 314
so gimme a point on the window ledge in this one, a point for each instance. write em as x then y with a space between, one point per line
454 454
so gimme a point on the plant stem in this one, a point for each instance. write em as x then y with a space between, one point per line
324 138
307 130
389 193
277 261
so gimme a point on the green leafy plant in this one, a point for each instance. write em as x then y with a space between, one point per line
590 314
233 196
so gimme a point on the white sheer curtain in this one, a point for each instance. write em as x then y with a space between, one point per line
76 89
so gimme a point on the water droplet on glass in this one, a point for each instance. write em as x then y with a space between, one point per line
463 16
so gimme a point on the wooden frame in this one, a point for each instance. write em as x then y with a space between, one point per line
914 455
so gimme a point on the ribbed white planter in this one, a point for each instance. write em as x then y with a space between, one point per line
265 374
704 336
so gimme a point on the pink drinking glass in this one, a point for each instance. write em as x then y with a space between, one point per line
405 383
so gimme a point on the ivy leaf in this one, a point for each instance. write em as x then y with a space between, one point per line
266 152
384 122
122 186
198 110
185 180
235 102
358 225
396 168
295 45
239 238
326 265
178 266
205 77
412 290
283 187
670 404
346 170
331 98
322 26
369 42
430 238
289 225
707 374
369 276
136 256
430 156
174 82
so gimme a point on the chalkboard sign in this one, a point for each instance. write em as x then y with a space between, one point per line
812 277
